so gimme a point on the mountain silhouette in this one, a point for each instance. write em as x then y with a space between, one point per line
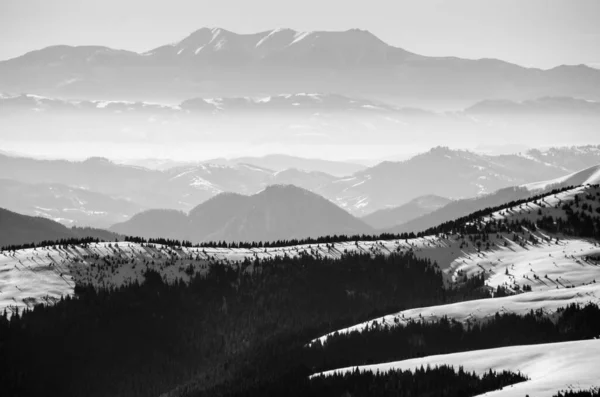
279 212
389 217
441 171
18 229
216 62
66 204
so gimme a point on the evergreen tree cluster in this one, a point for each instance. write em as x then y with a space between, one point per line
384 343
83 241
439 381
232 330
579 393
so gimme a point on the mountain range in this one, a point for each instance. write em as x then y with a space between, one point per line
66 204
275 162
416 208
215 62
459 208
441 171
66 191
279 212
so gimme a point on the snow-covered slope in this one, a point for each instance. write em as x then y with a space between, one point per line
589 175
567 262
558 272
29 276
549 367
548 301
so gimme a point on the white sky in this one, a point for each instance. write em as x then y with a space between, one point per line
541 33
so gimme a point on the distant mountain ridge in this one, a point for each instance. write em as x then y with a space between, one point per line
181 187
17 229
68 205
389 217
458 208
441 171
281 60
280 212
588 176
99 185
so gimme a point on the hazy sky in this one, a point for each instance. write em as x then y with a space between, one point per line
541 33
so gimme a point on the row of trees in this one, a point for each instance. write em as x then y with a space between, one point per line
439 381
384 343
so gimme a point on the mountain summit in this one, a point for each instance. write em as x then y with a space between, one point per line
279 212
216 62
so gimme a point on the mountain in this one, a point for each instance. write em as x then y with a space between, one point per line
547 106
275 162
570 158
217 62
309 180
155 223
280 162
279 212
440 171
389 217
459 208
18 229
121 189
532 251
587 176
65 204
98 192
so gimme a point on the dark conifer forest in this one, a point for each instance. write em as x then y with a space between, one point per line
235 330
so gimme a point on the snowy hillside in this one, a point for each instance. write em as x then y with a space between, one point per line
570 262
589 176
545 263
502 246
556 269
549 367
